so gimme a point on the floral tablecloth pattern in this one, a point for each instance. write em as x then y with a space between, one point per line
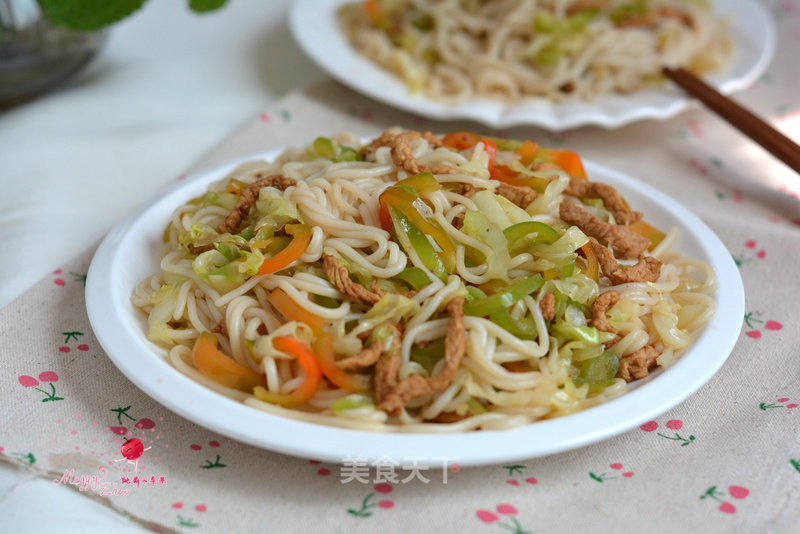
725 460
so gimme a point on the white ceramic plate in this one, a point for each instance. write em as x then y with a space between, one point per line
131 252
314 26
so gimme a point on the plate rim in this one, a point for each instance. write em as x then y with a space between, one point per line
310 20
123 341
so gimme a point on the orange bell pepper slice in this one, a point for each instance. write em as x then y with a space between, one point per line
460 140
307 362
292 311
323 346
465 140
569 161
501 173
655 235
592 264
373 11
527 152
221 368
491 148
301 238
323 349
412 207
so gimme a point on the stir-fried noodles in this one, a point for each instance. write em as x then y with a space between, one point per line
420 283
507 50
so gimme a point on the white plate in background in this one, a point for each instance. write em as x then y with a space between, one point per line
315 28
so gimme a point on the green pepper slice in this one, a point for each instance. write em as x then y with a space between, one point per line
599 372
504 298
411 237
545 234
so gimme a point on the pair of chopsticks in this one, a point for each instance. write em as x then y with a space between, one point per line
757 129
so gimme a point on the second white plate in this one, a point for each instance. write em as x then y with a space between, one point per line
315 27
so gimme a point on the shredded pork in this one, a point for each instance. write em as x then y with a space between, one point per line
368 356
403 156
627 244
638 364
248 197
612 200
387 368
416 385
600 306
340 278
647 269
520 195
548 306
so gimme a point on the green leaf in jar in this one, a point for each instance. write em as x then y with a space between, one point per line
88 15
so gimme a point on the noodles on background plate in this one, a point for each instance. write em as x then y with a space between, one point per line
420 283
453 51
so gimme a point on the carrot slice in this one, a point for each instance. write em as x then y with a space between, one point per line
221 368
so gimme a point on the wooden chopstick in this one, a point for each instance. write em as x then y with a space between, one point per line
757 129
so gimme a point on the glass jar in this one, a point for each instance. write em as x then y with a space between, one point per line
35 55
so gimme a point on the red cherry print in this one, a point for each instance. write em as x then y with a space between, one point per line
264 117
386 504
738 492
773 325
791 406
59 282
506 509
615 466
314 462
649 426
28 381
784 399
512 482
531 480
727 508
750 244
755 334
119 430
675 424
201 508
177 505
324 471
695 128
145 423
195 447
132 449
628 474
761 254
84 347
486 516
58 271
63 349
213 443
383 487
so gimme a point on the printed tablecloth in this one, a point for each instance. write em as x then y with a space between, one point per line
725 460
